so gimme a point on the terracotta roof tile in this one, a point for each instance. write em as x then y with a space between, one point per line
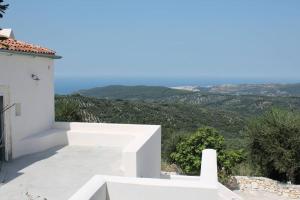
19 46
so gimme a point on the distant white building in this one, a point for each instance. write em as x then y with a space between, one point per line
79 161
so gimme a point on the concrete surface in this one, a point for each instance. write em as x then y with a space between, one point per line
259 195
57 173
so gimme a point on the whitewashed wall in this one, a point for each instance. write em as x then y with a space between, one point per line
36 97
145 153
125 188
141 144
205 187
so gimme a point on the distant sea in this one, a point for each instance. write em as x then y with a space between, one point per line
67 85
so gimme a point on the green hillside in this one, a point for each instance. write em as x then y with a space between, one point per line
245 105
176 119
132 92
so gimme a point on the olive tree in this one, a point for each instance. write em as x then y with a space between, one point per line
67 110
274 142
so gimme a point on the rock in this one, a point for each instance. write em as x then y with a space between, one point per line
251 184
232 184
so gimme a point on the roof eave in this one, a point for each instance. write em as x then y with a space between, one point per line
53 56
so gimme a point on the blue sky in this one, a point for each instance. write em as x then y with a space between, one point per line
164 38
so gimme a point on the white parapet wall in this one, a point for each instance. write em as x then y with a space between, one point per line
141 144
128 188
171 187
209 167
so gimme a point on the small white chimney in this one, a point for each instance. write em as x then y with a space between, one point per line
8 33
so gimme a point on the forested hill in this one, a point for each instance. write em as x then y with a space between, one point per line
244 105
160 93
179 117
132 92
269 89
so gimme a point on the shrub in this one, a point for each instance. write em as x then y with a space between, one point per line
188 153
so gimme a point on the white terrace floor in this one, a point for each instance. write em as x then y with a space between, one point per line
57 173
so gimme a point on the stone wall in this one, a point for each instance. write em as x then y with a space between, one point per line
264 184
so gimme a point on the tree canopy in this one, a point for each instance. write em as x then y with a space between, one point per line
3 8
275 144
67 111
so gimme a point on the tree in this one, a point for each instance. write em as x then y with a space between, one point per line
3 8
274 141
67 110
188 153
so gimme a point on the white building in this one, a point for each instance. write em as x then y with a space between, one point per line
26 80
79 161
